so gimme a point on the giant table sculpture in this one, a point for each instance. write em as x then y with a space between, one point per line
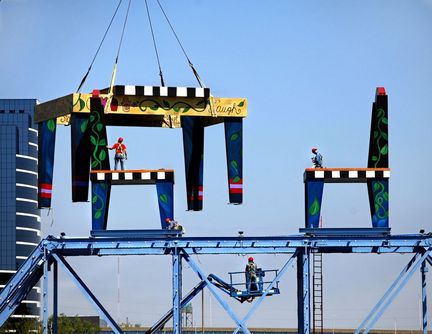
191 109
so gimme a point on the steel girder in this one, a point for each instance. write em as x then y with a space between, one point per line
53 249
87 293
303 291
237 245
393 291
177 291
424 270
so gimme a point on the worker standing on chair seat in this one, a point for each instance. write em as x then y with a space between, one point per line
317 160
251 275
120 153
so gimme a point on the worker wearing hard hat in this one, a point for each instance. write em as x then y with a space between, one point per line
120 153
174 225
317 160
251 274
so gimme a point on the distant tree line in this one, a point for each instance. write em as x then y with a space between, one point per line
66 325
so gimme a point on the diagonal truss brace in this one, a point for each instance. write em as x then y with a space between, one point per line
21 283
86 291
46 266
392 292
423 271
390 289
266 291
165 318
214 291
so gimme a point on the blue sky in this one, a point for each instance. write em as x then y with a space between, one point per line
309 70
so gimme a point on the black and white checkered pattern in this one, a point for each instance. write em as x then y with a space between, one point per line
132 177
159 91
334 175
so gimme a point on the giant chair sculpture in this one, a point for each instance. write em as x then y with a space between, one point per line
191 109
376 175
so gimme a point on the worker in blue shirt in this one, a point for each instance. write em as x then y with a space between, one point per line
317 160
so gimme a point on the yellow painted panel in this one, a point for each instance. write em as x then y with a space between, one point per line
142 105
64 120
169 110
230 107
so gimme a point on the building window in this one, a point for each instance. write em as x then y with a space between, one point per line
21 111
12 111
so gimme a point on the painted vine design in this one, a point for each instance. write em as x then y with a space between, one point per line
380 137
65 119
234 163
96 198
182 107
99 153
79 101
177 106
380 197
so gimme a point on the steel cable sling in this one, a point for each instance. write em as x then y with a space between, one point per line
195 72
154 45
98 49
114 73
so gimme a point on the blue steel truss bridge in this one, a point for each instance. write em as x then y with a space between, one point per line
51 253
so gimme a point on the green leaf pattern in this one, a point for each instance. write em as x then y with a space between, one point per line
98 140
381 198
163 198
102 155
234 136
380 137
98 203
80 102
314 208
51 125
384 150
234 165
181 106
83 126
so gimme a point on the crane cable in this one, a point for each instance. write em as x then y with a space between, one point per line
100 45
195 72
114 73
155 46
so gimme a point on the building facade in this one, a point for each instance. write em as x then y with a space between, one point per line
19 215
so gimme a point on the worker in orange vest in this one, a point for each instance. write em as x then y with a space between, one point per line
120 153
